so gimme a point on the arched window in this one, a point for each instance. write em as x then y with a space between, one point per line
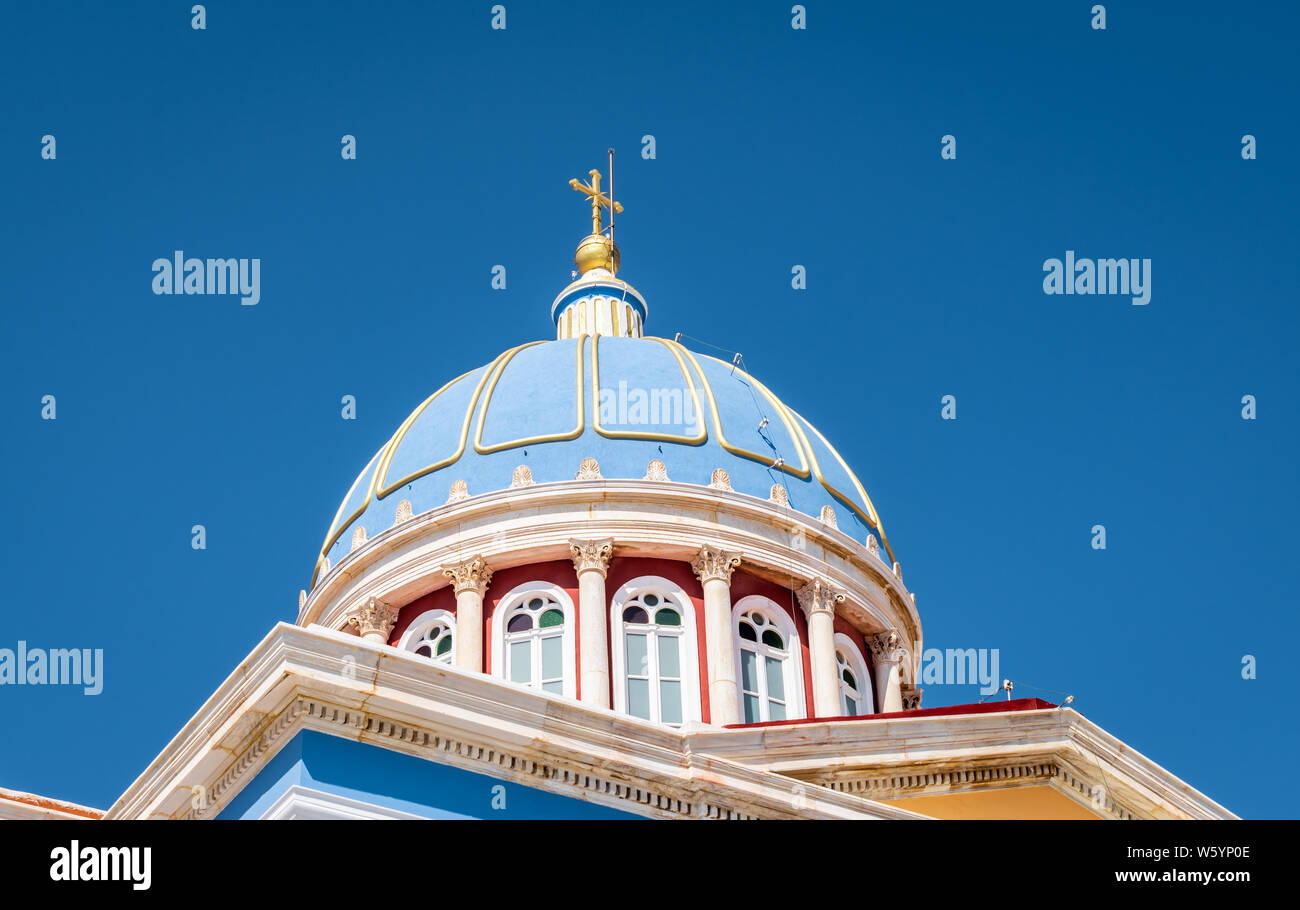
532 640
656 673
432 634
767 648
855 682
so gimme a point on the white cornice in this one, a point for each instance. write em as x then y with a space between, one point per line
15 804
327 681
323 680
644 517
299 802
908 756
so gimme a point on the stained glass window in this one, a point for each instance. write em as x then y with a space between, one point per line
432 635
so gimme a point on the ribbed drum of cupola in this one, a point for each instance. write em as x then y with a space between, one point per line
599 304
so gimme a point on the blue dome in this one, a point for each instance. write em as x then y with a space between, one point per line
622 401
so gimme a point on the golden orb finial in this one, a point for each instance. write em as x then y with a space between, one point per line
596 251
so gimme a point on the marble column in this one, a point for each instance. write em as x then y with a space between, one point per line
469 579
818 600
713 566
591 562
888 656
374 620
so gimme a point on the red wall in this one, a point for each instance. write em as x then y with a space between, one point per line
622 570
842 625
560 573
743 584
441 599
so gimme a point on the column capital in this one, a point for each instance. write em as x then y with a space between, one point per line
819 597
714 563
911 698
886 647
591 555
473 574
373 618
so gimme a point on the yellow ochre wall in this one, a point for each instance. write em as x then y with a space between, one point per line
1040 802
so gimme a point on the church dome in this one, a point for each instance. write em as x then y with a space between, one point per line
601 402
623 401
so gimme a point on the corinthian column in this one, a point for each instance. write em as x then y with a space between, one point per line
818 600
714 566
591 562
374 620
888 656
469 579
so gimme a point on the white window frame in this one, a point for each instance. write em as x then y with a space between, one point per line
858 664
796 705
689 645
421 624
568 647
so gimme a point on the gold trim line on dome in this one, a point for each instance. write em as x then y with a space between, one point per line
550 437
698 439
385 455
415 415
767 460
496 369
873 519
331 536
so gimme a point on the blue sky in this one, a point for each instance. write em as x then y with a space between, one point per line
774 147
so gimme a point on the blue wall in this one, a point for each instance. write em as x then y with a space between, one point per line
380 777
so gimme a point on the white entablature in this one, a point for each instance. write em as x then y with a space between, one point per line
330 682
644 518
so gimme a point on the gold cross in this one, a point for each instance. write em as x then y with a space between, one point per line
597 198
